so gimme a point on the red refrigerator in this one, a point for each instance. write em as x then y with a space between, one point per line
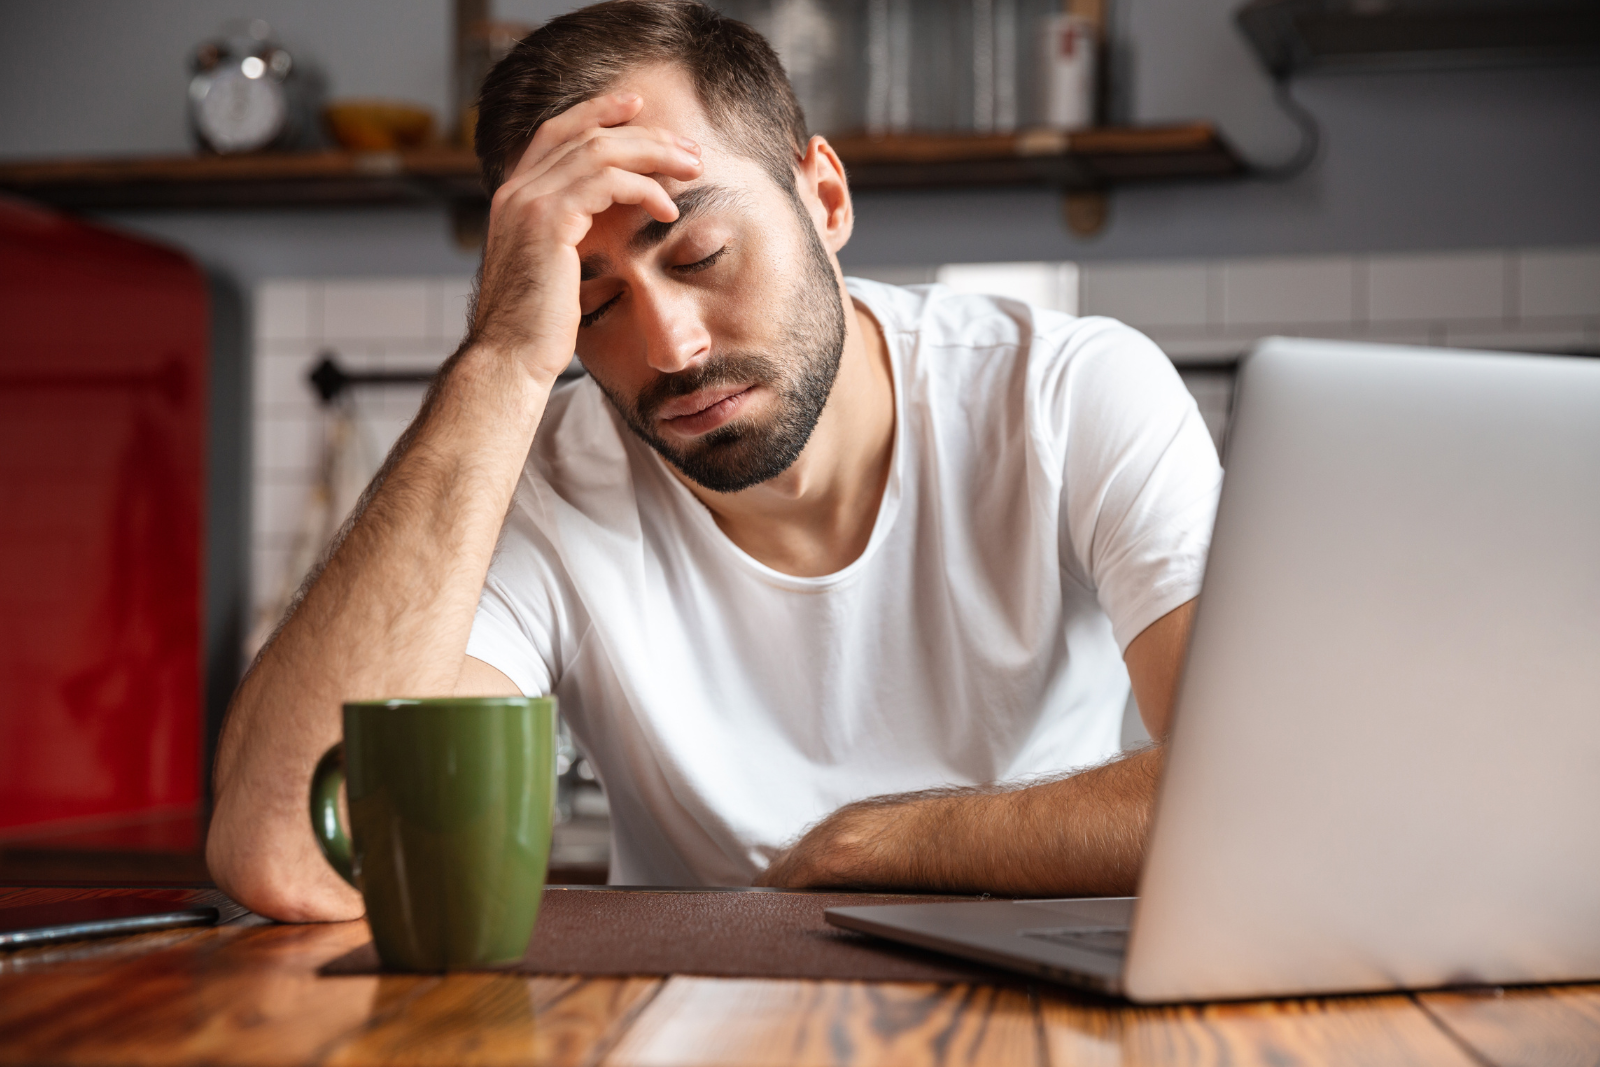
104 358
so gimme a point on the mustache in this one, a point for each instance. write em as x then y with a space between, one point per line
730 369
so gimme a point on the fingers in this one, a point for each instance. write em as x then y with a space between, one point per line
643 151
612 109
567 213
617 186
774 875
637 154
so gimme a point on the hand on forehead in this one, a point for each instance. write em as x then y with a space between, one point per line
669 102
658 102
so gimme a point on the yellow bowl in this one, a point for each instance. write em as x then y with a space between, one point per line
378 125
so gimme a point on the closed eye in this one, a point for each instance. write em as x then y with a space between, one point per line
594 316
687 268
696 268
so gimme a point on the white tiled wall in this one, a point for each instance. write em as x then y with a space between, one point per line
1520 300
1557 285
1198 311
1149 295
1051 285
367 324
1267 292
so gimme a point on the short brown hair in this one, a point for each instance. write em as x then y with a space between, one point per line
580 55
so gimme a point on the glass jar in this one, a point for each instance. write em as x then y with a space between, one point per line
812 39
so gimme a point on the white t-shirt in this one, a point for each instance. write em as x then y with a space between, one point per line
1051 495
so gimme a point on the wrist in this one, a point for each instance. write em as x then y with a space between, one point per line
884 845
943 843
541 351
513 381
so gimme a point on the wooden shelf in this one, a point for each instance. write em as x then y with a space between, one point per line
267 180
1094 159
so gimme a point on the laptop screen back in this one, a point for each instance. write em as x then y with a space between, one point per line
1385 767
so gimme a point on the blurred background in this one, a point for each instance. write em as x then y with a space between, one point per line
237 237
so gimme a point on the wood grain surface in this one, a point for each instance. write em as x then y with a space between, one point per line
1349 1030
235 995
752 1022
1552 1026
765 1023
250 995
500 1019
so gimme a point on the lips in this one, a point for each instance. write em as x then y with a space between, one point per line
698 401
703 410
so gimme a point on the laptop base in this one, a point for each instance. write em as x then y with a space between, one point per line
1077 941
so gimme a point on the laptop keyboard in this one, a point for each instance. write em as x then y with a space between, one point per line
1105 940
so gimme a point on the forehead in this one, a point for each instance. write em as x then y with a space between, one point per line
670 100
671 103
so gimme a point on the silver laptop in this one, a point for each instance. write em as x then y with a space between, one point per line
1385 765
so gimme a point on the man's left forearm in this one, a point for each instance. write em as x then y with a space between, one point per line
1080 835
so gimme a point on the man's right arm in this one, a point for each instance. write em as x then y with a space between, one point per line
391 611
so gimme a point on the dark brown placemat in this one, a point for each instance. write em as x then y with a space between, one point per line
603 932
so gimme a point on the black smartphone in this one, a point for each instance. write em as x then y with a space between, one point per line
68 920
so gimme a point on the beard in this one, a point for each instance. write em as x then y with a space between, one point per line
800 371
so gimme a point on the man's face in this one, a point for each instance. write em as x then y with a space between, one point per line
717 337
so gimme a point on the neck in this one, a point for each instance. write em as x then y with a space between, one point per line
817 517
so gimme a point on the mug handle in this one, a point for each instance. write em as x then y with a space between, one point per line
332 838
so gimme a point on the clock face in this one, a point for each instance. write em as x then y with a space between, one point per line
239 113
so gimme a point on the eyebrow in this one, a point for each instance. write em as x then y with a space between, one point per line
690 202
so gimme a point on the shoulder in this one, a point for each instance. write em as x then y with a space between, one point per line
935 317
1098 357
1047 356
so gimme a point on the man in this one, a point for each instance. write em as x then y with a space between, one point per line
793 545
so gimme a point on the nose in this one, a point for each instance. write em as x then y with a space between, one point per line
675 338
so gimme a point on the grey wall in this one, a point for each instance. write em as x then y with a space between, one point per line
107 77
1435 161
1411 162
1466 159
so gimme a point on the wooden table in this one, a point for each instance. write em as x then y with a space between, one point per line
170 849
249 994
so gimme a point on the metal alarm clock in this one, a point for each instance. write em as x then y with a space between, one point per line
247 94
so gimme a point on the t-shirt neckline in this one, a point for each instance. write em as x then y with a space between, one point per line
888 507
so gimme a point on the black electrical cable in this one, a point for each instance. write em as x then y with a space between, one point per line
1310 137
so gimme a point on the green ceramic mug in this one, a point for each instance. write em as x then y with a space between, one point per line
451 804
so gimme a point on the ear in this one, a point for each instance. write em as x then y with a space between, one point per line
826 194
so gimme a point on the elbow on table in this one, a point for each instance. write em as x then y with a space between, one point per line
272 885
